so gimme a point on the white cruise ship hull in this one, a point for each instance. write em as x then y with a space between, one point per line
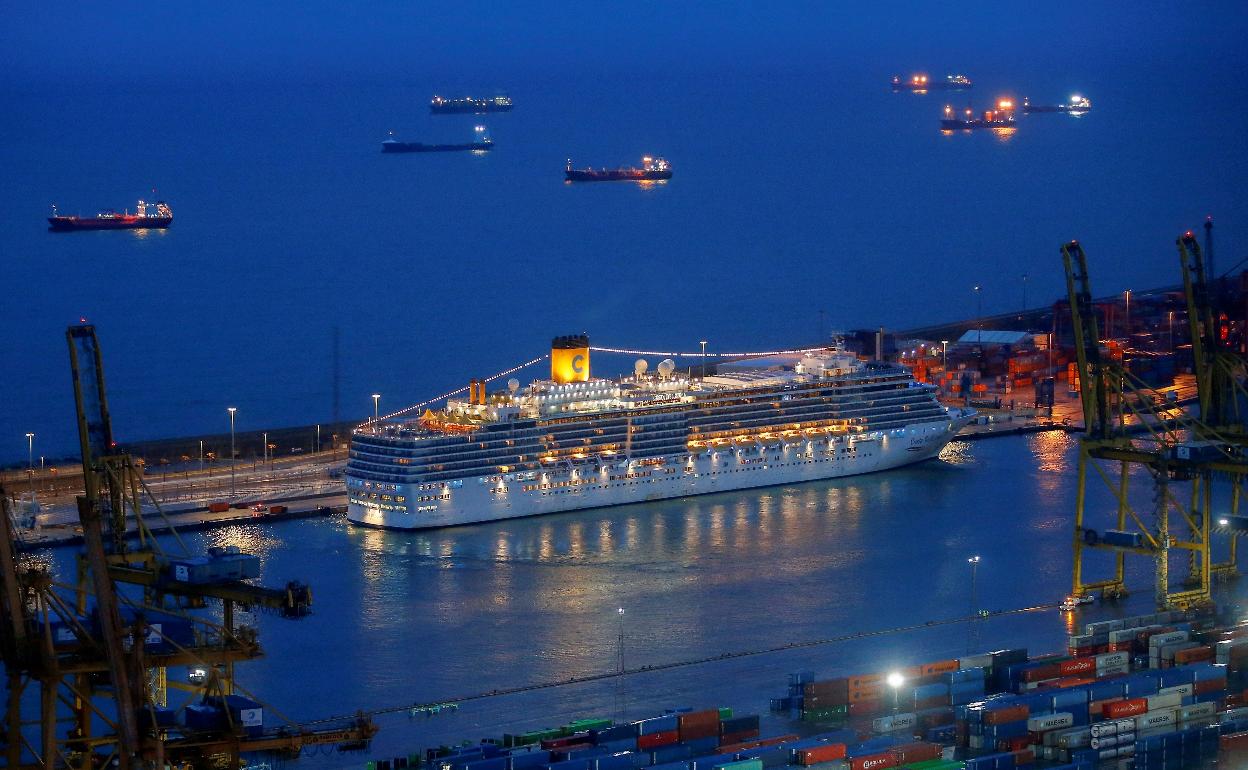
494 498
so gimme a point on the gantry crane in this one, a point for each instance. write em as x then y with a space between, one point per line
1129 428
92 650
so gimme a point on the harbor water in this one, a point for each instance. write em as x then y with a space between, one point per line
405 618
801 184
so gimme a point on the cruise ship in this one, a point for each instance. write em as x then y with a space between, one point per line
574 441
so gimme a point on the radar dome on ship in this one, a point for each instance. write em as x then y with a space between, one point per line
666 367
640 366
513 385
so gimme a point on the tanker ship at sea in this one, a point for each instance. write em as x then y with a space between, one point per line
108 219
652 170
574 441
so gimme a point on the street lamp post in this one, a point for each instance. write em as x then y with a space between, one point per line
1126 321
974 562
703 344
895 681
30 462
979 313
318 437
376 410
265 449
944 355
1171 332
231 410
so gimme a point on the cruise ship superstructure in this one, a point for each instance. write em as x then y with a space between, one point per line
574 441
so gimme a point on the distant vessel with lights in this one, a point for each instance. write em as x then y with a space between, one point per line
482 143
922 83
441 106
1078 105
652 170
141 219
573 442
1001 117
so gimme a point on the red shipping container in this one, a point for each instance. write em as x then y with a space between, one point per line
1040 673
1210 685
865 707
1008 714
873 761
1196 654
940 667
698 724
916 752
1125 708
567 740
827 687
740 736
1233 742
866 680
865 694
827 753
1076 666
1024 757
655 740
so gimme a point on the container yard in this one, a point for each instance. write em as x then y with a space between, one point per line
1164 690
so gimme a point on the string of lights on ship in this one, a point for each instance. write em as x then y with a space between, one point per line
621 351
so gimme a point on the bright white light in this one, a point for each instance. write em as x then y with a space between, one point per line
896 680
1223 522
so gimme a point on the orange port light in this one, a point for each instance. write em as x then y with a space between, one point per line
1005 104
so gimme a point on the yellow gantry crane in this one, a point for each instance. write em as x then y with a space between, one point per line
86 661
1193 466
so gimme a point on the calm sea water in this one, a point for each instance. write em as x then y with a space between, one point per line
794 192
404 618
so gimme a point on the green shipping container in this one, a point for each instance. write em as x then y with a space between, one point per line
744 764
725 713
833 714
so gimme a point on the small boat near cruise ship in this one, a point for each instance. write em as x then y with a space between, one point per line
573 441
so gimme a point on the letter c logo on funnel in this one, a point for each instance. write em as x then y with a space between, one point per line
578 364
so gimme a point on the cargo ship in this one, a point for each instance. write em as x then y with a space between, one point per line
440 106
111 220
573 441
652 170
1164 690
1001 117
483 143
1078 105
922 83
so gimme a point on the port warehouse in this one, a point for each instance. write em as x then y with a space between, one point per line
1165 690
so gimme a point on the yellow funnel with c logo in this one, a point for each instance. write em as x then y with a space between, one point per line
569 358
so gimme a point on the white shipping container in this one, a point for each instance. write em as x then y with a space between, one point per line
1160 640
975 661
1125 668
1075 739
1110 727
1239 712
1197 711
1182 690
1110 659
1168 701
1051 722
1156 719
